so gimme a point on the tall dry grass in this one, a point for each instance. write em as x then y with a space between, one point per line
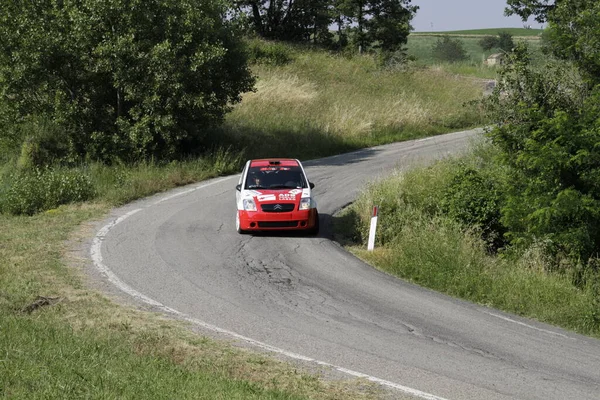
340 104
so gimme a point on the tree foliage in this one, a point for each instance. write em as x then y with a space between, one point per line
291 20
449 49
573 26
124 78
539 9
548 137
473 199
488 42
503 41
549 130
378 24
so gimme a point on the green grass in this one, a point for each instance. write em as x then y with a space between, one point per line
86 346
420 47
459 264
321 104
120 184
44 359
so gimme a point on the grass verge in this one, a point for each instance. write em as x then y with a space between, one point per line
460 264
59 339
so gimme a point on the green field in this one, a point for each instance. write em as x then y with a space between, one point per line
420 47
515 32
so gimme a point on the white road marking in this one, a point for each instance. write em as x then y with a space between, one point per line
96 255
528 326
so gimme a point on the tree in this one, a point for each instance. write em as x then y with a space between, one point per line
488 42
505 42
124 78
540 9
357 12
389 25
548 132
574 27
381 24
449 49
290 20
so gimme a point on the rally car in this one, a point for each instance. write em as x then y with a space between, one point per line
274 194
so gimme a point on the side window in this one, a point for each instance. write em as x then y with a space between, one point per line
242 174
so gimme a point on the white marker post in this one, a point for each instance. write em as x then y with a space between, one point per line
371 244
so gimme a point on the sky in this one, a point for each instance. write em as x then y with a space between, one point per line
454 15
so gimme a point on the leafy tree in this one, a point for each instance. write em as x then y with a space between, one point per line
123 78
505 42
389 24
488 42
357 12
527 8
291 20
549 132
381 24
449 49
574 27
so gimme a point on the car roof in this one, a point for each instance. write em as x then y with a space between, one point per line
283 162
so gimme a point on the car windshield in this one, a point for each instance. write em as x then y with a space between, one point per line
275 178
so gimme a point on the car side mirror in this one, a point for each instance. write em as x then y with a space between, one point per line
312 185
238 187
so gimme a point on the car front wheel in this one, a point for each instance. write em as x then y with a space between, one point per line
238 224
315 229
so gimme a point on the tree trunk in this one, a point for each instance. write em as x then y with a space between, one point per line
257 18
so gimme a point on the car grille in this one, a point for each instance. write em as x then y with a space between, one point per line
278 224
285 207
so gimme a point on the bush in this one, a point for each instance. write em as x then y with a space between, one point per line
448 49
488 42
32 191
473 200
126 80
43 144
270 53
548 132
397 60
505 41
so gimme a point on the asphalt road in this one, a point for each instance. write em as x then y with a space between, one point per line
307 297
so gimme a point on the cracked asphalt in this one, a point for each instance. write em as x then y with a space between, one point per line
306 295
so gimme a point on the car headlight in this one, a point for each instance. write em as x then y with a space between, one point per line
249 205
305 203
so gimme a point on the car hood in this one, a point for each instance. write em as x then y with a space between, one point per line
279 195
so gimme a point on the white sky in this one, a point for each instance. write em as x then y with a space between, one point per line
453 15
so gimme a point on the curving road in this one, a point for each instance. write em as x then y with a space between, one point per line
307 297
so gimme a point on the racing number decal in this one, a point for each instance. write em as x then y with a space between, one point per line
287 196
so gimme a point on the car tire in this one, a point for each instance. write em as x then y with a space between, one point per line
314 231
237 224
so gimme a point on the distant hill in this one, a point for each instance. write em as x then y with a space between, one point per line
516 32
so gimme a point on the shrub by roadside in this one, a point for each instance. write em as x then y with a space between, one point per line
429 206
32 191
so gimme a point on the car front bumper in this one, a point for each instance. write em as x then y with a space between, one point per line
263 221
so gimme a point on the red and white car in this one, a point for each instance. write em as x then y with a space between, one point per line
275 194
